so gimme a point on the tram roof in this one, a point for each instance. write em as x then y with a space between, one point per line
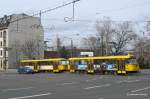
44 60
103 57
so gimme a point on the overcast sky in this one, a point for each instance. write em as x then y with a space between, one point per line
86 12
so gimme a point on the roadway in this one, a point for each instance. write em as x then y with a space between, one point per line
74 86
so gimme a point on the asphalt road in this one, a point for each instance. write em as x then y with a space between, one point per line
74 86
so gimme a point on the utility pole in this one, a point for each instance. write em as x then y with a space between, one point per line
66 19
46 11
98 49
102 49
72 51
71 46
73 10
17 24
58 44
40 14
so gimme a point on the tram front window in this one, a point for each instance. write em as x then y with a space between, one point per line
131 61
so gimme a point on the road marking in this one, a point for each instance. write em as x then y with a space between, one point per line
128 81
133 94
101 77
25 97
140 89
105 85
119 82
145 78
90 80
68 83
15 89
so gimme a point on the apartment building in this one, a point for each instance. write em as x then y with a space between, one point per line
18 28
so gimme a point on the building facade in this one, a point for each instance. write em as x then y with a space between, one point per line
15 31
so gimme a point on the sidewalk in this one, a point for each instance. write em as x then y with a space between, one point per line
8 71
145 70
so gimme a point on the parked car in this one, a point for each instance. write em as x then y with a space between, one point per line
25 70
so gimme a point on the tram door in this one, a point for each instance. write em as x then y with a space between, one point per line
90 68
72 67
36 67
121 66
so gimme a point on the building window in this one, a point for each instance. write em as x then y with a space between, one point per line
1 53
4 43
4 34
1 35
1 43
1 63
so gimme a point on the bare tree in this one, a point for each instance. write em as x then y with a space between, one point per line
111 37
58 45
142 50
104 33
122 36
64 53
147 27
92 43
16 53
32 49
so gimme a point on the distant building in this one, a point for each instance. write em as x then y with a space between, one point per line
18 28
51 54
89 54
76 52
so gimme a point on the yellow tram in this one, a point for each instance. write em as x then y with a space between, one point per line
46 65
120 64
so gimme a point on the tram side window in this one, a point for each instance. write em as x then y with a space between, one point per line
48 63
64 62
79 62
